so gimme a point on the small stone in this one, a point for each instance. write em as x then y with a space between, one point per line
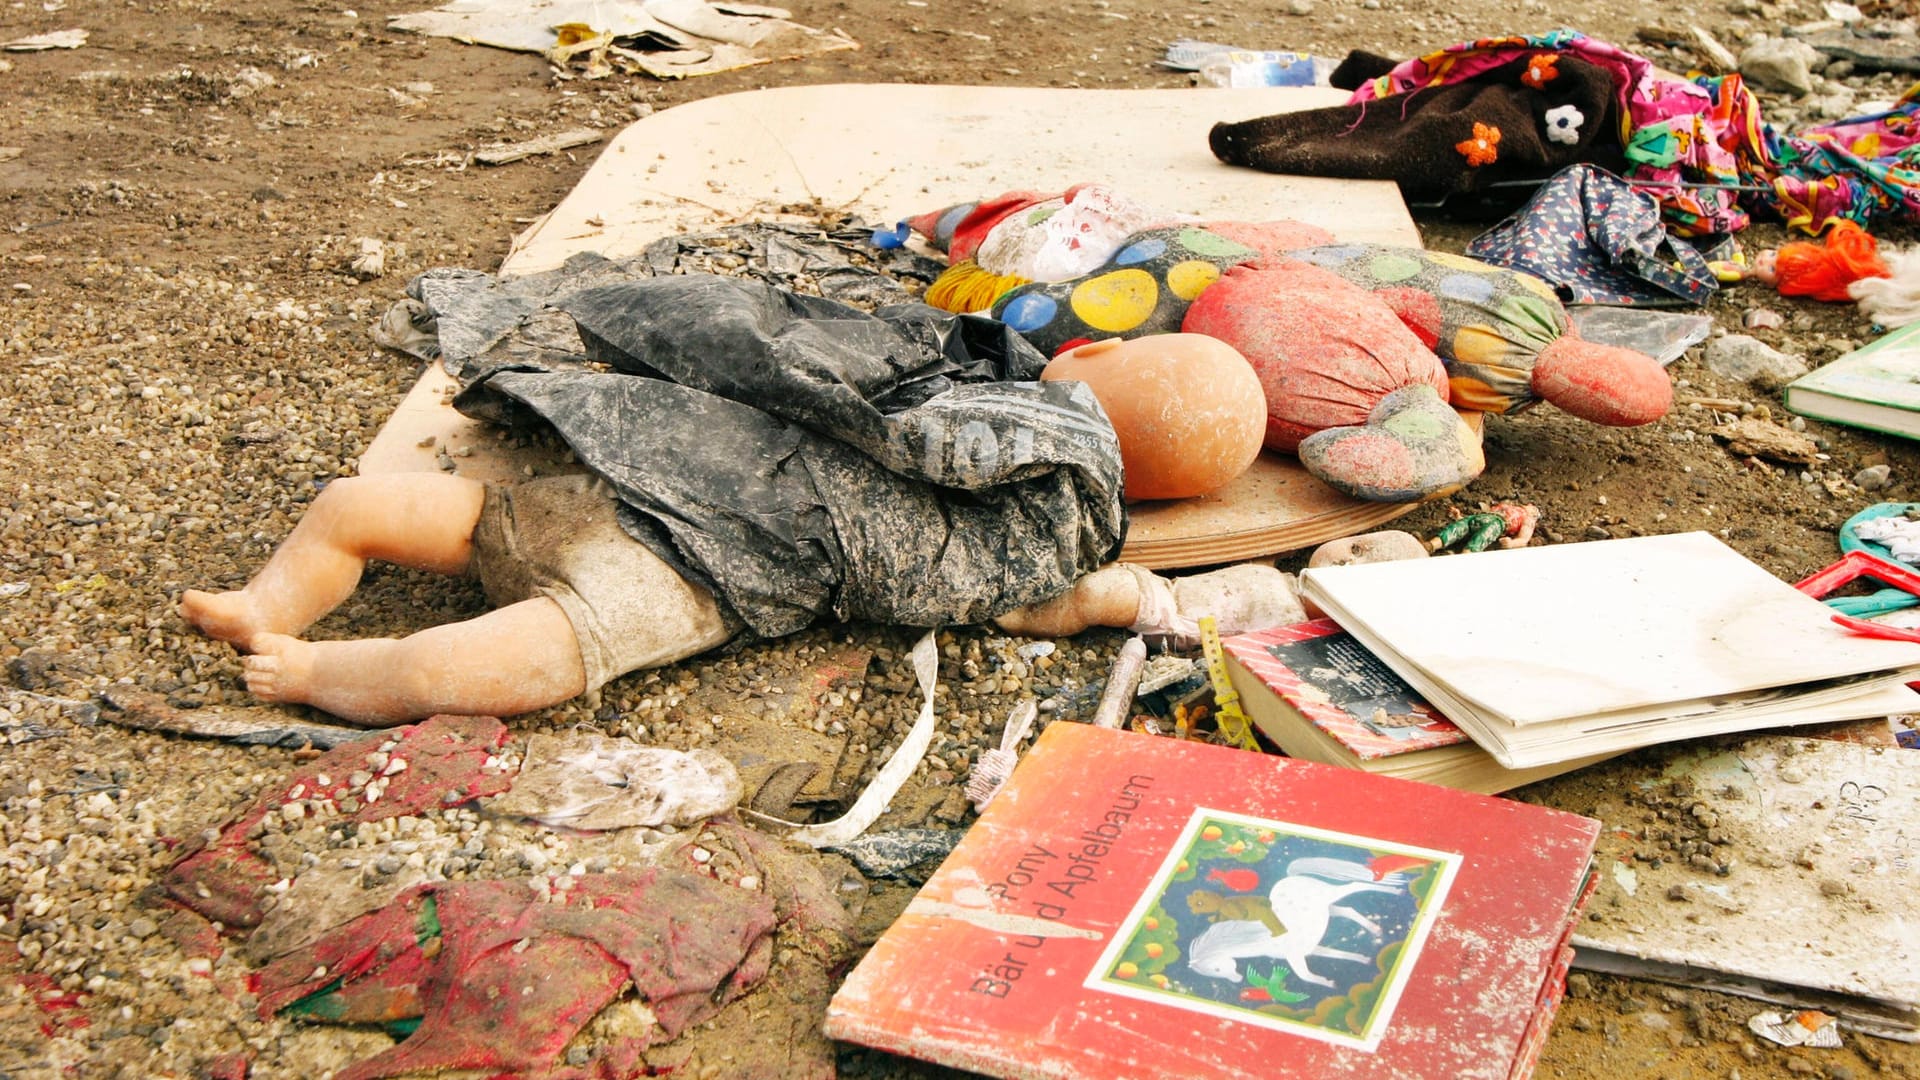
1780 64
1749 360
1386 545
1873 477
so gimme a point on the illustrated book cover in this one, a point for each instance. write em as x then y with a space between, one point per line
1876 386
1820 843
1318 694
1569 650
1133 905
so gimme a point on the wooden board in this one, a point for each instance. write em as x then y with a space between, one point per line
886 152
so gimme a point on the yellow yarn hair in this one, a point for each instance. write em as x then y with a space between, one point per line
966 287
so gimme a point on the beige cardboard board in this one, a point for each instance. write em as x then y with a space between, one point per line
1813 908
886 152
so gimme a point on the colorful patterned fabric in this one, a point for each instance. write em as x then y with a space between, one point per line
1694 144
1487 323
1598 240
1144 289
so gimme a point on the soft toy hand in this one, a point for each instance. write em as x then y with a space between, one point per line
1504 335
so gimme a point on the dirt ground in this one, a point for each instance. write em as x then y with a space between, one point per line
179 202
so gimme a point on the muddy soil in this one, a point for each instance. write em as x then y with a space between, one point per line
185 358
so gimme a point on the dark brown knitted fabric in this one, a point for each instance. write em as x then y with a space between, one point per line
1415 138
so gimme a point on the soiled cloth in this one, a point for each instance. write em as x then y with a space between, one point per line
804 459
560 537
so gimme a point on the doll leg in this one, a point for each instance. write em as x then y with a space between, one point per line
420 520
513 660
1245 596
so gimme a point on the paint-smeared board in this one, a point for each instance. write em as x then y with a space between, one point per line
886 152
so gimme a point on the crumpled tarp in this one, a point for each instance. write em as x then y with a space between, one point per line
1598 240
799 456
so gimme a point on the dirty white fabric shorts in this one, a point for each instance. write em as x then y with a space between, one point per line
560 537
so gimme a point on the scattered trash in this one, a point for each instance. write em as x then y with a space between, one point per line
1663 335
1904 519
1672 132
370 260
1227 66
1754 436
59 39
1763 319
892 854
667 39
132 708
545 144
1117 700
995 765
1809 1027
1511 525
596 783
887 782
1163 671
1473 532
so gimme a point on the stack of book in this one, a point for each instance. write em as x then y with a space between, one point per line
1549 656
1316 693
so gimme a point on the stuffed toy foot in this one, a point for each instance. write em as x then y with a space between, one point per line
1412 447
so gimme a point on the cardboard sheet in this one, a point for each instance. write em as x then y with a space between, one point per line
886 152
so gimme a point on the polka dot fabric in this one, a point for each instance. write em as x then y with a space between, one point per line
1487 323
1599 241
1145 288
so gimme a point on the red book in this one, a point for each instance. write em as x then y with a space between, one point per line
1134 906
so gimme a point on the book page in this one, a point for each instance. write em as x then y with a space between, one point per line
1537 635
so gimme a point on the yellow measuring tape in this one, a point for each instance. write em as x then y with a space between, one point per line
1234 725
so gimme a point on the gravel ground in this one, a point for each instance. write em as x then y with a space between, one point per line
186 361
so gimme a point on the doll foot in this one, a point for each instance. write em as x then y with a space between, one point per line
1413 446
280 669
232 617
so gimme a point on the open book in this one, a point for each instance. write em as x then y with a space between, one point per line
1552 653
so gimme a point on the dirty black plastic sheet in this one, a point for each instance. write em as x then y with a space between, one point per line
806 459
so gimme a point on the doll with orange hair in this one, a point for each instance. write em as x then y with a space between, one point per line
1821 269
